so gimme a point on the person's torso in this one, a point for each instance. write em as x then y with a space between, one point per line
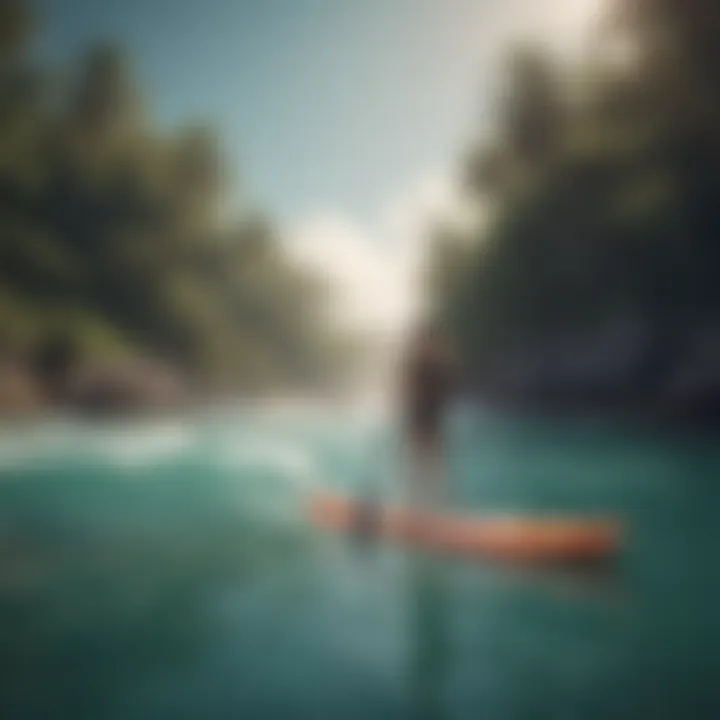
427 386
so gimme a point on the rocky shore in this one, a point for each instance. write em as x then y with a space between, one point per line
100 387
624 372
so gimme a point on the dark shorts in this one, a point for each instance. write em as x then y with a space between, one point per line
424 423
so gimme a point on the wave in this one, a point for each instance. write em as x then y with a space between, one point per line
142 446
293 462
72 444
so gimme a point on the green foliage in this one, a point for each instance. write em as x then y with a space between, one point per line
606 206
15 23
110 233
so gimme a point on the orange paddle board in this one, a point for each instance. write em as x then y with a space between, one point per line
520 539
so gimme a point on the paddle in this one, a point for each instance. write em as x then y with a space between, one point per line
367 517
366 522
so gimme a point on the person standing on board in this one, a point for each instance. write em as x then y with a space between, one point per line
429 380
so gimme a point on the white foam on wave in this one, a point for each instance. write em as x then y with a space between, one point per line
41 444
15 454
291 453
129 446
141 446
292 461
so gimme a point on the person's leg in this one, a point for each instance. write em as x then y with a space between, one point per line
415 469
425 491
430 476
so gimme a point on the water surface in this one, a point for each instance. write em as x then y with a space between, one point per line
165 569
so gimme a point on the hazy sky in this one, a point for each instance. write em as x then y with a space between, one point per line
343 118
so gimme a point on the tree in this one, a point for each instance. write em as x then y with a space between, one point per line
111 236
533 113
606 209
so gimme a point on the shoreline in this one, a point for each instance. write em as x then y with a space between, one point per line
651 418
647 416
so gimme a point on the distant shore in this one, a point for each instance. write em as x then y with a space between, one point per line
131 387
123 387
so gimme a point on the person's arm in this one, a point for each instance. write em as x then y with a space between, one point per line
403 386
453 372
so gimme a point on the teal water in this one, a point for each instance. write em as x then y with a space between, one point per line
165 570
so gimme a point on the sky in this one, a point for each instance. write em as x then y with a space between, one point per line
343 119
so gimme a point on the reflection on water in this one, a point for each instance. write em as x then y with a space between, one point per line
170 573
88 614
507 625
428 637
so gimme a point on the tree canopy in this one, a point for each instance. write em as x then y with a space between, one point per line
111 233
604 193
